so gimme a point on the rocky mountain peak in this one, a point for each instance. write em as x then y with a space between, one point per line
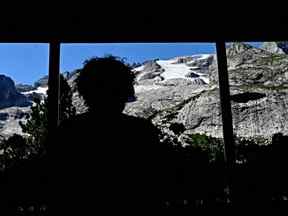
149 70
276 47
6 83
236 48
9 96
42 82
24 87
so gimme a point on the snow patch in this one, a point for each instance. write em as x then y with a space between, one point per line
39 90
173 71
176 71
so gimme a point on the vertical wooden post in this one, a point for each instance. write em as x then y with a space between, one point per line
53 87
229 153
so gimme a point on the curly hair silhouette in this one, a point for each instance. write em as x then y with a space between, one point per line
107 81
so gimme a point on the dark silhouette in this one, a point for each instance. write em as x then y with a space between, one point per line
278 167
24 182
107 160
262 180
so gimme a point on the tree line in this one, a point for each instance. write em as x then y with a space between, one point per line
20 147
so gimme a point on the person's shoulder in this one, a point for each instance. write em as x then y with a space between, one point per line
139 123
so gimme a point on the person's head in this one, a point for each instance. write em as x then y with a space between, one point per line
106 83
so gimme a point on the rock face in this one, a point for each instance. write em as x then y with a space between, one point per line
252 66
42 82
258 85
9 96
24 88
276 47
150 70
258 67
10 118
14 106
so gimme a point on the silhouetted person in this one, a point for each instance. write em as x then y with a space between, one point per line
107 160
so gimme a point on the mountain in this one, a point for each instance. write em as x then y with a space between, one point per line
24 87
184 91
10 118
276 47
14 106
42 82
68 75
15 102
188 68
258 84
251 66
9 96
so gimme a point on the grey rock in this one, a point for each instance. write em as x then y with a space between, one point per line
198 81
241 53
150 70
192 75
146 82
10 124
42 82
151 66
276 47
148 75
234 49
78 103
249 65
181 82
183 59
71 77
213 72
201 64
155 101
9 96
24 87
262 117
259 91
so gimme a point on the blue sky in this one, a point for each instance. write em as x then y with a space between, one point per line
25 63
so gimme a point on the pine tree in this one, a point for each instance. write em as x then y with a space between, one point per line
15 149
37 121
37 124
67 109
